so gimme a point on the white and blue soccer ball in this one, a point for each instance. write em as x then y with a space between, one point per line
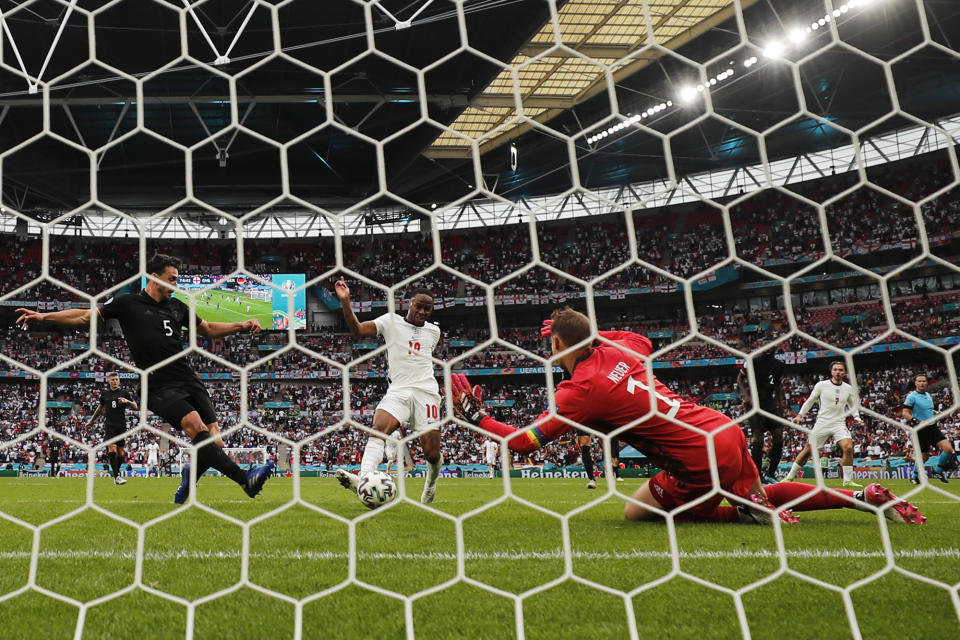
376 488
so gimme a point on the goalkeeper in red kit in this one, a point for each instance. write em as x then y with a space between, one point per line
609 388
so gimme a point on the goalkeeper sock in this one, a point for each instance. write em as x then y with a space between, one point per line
213 456
847 473
372 455
117 463
720 514
112 461
587 461
946 462
784 492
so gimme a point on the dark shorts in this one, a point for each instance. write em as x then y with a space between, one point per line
113 430
929 436
735 469
760 424
174 402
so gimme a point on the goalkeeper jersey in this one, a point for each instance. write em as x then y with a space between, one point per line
609 388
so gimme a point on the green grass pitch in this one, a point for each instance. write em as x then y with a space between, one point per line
231 311
512 547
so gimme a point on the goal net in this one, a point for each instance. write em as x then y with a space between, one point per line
739 181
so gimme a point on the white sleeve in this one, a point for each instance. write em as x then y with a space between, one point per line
384 325
814 395
854 402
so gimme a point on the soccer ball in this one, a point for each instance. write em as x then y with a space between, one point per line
376 488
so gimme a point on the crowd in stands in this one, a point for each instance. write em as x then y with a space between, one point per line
848 325
314 413
684 240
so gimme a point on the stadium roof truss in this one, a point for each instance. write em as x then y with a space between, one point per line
717 185
554 78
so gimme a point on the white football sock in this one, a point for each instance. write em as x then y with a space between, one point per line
847 473
391 447
433 471
794 470
372 455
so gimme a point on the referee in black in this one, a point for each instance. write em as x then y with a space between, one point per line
768 371
153 322
113 406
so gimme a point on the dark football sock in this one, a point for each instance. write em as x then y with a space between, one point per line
117 463
775 455
112 462
587 461
213 456
756 452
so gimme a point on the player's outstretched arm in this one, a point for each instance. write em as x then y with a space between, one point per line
468 406
357 328
222 329
66 318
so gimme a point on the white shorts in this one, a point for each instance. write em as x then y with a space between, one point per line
822 433
491 461
152 461
422 409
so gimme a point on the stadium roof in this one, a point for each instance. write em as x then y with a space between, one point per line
566 62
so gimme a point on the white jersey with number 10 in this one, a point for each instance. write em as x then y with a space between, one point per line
409 349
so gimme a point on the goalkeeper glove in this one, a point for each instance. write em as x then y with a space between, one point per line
467 400
545 330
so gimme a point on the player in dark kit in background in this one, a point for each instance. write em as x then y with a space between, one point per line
152 322
53 455
768 371
609 388
113 404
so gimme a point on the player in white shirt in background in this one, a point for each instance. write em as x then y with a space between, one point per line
490 449
413 394
153 457
838 400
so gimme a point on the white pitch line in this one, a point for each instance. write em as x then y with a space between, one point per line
553 554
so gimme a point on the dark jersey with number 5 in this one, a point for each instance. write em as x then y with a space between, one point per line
114 410
154 332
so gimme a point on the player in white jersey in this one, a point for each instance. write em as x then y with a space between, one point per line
398 456
413 394
490 448
838 400
153 457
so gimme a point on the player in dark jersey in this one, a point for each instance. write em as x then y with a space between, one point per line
768 372
610 387
53 455
152 322
113 405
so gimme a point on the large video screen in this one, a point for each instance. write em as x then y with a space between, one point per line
239 298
